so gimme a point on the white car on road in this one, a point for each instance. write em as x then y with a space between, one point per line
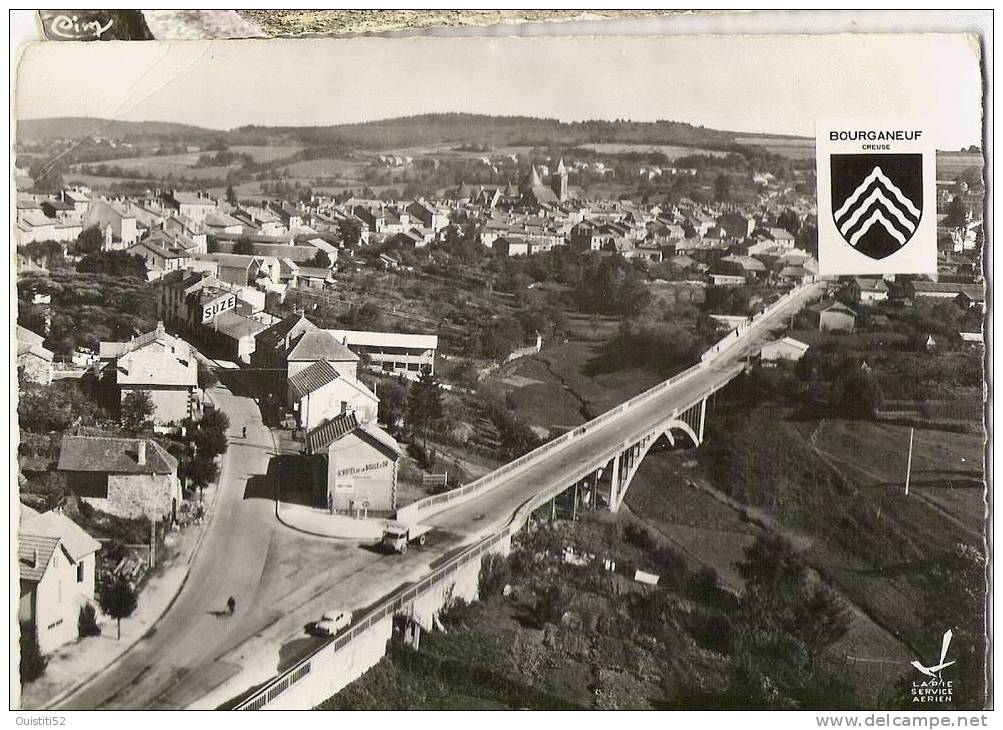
333 621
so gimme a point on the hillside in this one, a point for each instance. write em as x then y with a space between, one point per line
497 131
40 130
407 132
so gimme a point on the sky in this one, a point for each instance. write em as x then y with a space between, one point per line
776 84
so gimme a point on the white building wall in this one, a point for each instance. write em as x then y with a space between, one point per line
58 599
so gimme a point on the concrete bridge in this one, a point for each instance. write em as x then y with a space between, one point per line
599 458
595 463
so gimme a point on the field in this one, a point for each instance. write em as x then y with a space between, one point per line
947 473
795 148
183 165
671 151
840 484
950 164
710 532
160 167
447 150
324 167
557 390
266 153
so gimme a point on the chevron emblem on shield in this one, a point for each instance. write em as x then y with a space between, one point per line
877 200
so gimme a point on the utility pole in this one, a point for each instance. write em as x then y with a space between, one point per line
908 467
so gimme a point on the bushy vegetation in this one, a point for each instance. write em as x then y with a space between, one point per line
42 409
87 622
33 662
114 263
568 636
86 308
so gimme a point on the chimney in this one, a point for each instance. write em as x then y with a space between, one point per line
141 453
160 327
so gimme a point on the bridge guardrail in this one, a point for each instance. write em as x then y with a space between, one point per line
391 604
395 602
415 509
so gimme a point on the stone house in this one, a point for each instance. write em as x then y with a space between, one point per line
34 362
127 477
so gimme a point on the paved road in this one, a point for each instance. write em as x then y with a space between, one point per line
229 563
282 579
495 507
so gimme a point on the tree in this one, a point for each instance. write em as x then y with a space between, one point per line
200 470
351 232
321 260
972 177
424 405
722 188
33 662
790 222
785 626
206 377
87 622
47 176
549 605
244 246
118 599
116 263
500 337
137 411
210 435
53 408
855 394
90 240
231 195
957 212
393 401
612 285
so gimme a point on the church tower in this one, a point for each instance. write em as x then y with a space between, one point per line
559 182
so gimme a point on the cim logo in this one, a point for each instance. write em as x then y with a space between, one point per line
877 200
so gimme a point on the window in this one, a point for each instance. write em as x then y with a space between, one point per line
80 572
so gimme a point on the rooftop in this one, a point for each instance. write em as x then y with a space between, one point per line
318 439
363 338
52 524
313 378
319 345
113 455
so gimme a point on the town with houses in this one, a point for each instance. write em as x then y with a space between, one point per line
296 321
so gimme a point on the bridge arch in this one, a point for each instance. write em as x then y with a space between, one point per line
641 449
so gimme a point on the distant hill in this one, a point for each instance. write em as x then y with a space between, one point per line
414 131
40 130
497 131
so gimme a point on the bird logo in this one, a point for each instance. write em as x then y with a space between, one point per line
935 670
